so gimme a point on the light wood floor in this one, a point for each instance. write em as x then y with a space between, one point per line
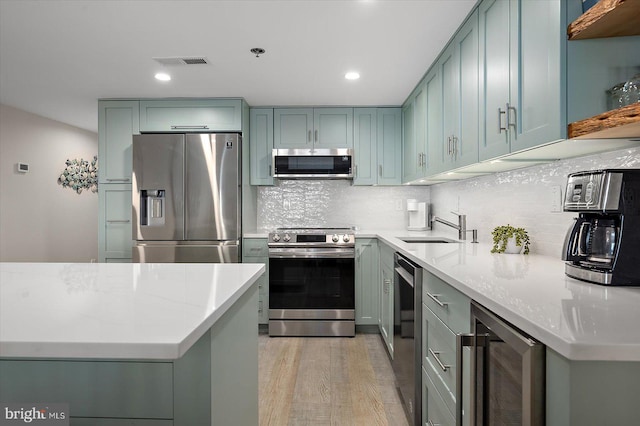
327 381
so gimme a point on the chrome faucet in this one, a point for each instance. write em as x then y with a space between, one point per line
461 227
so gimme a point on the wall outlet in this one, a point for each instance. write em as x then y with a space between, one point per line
556 199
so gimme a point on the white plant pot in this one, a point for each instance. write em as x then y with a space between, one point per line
511 247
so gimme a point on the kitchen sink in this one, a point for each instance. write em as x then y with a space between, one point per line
428 240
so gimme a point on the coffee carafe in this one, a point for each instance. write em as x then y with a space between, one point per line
603 245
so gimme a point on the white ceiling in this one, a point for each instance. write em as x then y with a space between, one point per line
58 57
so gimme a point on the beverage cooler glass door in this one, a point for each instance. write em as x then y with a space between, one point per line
507 373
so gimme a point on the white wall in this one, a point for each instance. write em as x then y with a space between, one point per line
326 203
522 198
40 221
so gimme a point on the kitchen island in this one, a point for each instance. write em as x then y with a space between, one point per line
134 344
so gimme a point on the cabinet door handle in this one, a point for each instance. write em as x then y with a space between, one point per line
454 143
435 356
449 145
316 136
500 113
309 136
119 221
515 117
380 170
434 297
355 171
269 169
189 127
119 180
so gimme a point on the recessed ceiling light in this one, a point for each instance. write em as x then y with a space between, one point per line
162 76
352 75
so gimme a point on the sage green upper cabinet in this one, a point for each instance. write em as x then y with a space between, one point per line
377 135
260 145
521 43
313 128
414 126
389 139
118 121
365 128
216 115
293 128
458 66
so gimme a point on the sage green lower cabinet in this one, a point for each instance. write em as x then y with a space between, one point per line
434 410
203 387
591 392
115 232
385 322
255 250
366 281
445 313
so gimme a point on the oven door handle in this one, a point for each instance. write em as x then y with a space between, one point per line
317 253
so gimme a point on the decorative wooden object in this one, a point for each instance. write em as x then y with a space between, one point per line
607 18
619 123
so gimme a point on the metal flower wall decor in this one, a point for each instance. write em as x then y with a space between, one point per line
80 174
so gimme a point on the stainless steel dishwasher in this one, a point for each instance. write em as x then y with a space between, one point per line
407 335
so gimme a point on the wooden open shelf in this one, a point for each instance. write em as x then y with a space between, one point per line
608 18
619 123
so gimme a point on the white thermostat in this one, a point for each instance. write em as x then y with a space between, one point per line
23 167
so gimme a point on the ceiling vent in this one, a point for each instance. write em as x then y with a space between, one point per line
189 60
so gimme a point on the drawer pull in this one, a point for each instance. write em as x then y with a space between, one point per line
434 297
118 180
437 358
119 221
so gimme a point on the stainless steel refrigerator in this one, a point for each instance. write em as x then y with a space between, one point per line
186 197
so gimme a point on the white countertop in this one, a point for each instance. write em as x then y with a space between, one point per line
114 310
579 320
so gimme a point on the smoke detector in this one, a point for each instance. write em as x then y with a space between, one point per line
182 60
257 51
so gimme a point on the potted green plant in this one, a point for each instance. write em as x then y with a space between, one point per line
502 235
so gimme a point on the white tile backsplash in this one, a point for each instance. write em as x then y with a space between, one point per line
320 203
522 198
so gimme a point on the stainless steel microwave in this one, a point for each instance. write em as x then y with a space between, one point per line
332 163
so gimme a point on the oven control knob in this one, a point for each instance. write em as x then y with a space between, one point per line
286 238
345 238
276 237
335 238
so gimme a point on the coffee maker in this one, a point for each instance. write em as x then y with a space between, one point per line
603 245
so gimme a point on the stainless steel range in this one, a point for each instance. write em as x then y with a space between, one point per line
312 282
